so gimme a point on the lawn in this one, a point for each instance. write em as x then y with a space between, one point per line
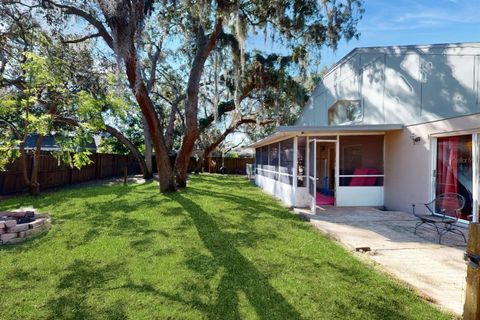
221 249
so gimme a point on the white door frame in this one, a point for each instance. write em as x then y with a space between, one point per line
313 204
310 180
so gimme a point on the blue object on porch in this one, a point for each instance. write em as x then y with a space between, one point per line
325 190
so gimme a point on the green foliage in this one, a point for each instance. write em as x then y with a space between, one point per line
74 146
221 249
43 75
8 105
46 92
7 151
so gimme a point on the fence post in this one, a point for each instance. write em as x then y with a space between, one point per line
471 309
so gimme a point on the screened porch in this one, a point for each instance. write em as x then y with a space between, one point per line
323 168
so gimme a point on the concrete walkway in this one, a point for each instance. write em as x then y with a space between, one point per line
437 271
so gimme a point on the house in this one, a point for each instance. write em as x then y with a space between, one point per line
50 144
386 127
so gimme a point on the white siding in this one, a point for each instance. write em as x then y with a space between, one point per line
447 86
372 83
406 85
402 88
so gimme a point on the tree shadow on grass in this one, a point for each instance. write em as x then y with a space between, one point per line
239 273
234 190
75 287
103 222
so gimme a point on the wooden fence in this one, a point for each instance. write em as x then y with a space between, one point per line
229 165
52 174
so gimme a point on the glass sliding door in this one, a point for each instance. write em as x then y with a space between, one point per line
454 169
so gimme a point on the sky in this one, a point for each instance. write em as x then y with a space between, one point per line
402 22
397 22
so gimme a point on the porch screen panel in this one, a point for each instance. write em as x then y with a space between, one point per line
273 154
258 160
301 154
264 164
361 161
286 162
311 168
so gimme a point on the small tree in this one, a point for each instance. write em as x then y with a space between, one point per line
31 110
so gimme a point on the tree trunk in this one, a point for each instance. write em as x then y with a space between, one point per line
199 167
204 47
211 147
148 146
164 167
147 174
23 163
169 134
34 183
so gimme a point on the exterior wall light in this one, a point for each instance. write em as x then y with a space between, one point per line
415 139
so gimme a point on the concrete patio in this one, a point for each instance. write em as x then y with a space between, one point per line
437 271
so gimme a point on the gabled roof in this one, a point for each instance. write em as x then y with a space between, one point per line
400 48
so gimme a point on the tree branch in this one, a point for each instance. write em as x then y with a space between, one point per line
119 136
171 120
19 83
71 10
13 127
225 107
153 68
90 36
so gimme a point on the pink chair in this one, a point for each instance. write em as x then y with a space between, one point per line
364 181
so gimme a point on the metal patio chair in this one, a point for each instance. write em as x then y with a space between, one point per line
443 214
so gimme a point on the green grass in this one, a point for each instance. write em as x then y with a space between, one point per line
219 250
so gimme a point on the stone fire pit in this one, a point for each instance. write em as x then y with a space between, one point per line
17 226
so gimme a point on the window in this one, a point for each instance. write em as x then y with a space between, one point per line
361 161
345 112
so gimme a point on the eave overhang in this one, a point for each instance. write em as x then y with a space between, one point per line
287 132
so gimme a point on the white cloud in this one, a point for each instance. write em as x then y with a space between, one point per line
410 15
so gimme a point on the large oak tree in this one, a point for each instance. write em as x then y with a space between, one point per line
301 26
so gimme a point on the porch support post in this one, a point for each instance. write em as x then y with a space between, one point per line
295 170
337 169
475 182
307 163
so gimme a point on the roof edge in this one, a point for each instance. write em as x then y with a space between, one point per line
344 128
405 46
286 132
